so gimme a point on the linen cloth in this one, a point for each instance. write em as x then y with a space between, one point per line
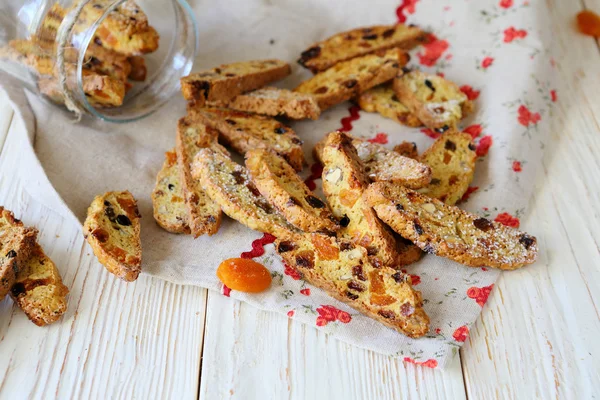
496 50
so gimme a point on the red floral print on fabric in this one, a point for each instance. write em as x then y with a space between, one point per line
347 121
381 138
516 166
471 93
433 49
226 291
291 272
438 331
553 96
305 292
461 334
431 363
487 62
329 314
508 220
258 246
511 34
290 313
480 295
526 117
316 170
430 133
470 190
474 130
406 6
441 74
483 146
506 3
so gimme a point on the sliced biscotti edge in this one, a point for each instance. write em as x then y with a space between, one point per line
383 100
168 201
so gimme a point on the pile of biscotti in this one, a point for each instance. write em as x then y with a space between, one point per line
384 208
113 58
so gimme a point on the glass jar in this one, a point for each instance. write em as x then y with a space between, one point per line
116 60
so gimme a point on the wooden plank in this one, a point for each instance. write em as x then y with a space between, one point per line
249 353
537 334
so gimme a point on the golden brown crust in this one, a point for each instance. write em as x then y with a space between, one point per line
225 82
112 228
359 42
407 149
345 272
168 202
243 132
435 101
383 100
448 231
138 68
38 289
277 181
347 79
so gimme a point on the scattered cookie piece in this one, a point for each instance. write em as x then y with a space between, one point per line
348 79
448 231
438 103
277 181
112 228
168 203
359 42
244 131
227 81
383 100
407 149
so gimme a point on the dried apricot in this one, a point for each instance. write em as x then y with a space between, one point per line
244 275
324 248
589 23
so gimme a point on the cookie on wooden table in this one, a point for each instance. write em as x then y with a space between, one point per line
229 185
38 289
16 244
275 102
225 82
452 160
244 131
277 181
383 100
168 203
345 272
204 215
448 231
438 103
348 79
359 42
407 149
112 228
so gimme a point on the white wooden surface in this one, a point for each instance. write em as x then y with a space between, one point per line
537 336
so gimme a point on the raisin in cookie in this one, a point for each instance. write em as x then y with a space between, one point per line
383 100
168 203
448 231
436 102
348 79
277 181
345 272
112 228
359 42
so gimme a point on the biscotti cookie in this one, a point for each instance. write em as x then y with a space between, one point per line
227 81
383 100
452 160
277 181
30 55
112 228
243 132
275 102
204 215
168 203
16 244
448 231
138 68
407 149
343 184
347 79
436 102
228 184
358 42
345 272
38 289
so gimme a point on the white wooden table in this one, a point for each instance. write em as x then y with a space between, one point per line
537 336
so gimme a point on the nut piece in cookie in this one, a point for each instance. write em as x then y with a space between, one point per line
112 228
228 185
450 232
383 100
345 272
38 289
244 131
225 82
348 79
452 160
16 244
277 181
168 203
359 42
436 102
